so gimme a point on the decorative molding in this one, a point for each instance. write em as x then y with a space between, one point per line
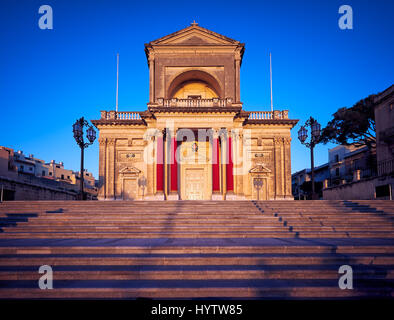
111 141
259 169
287 140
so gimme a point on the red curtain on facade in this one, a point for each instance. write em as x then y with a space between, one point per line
215 166
174 165
229 167
159 165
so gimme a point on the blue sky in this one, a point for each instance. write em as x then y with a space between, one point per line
49 78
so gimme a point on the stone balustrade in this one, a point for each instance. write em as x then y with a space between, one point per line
268 115
215 102
120 115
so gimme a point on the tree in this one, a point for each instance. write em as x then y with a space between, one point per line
352 126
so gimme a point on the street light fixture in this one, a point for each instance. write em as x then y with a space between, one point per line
78 136
315 136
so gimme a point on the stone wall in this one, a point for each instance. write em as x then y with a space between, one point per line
30 191
357 190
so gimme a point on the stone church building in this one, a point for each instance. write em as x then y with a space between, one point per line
195 141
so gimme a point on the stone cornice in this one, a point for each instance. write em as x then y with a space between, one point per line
154 109
291 122
109 122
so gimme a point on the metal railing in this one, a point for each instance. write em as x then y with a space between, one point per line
386 167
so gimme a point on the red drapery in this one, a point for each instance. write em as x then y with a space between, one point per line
174 165
159 165
215 166
229 167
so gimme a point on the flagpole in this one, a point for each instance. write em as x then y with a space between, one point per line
117 80
272 105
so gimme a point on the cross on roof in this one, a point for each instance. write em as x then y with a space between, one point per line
194 23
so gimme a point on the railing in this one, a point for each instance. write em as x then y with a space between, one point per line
120 115
190 103
268 115
386 167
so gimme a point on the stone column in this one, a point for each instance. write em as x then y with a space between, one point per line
223 162
229 165
237 162
174 195
237 59
216 167
102 166
165 163
110 181
151 60
278 142
287 168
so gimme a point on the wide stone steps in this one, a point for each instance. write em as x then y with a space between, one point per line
196 249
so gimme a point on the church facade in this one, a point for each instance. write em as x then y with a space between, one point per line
194 141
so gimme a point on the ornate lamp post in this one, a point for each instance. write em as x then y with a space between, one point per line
78 136
142 184
315 135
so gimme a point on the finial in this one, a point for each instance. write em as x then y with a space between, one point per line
194 23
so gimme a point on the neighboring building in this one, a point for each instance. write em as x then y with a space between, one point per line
195 140
299 178
362 180
28 178
384 118
345 161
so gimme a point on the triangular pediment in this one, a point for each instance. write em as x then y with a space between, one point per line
260 168
194 35
129 170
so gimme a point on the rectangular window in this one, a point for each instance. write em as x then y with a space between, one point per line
337 172
43 173
50 173
336 158
63 176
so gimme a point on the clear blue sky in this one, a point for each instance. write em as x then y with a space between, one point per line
49 78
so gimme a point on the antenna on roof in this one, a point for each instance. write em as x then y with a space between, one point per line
117 80
272 105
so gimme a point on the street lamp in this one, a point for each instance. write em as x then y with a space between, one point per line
315 136
78 136
142 184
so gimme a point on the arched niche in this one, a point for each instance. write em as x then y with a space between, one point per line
195 79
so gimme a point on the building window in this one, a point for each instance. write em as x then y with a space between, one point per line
21 168
31 169
68 177
337 172
43 173
58 167
336 158
50 173
63 176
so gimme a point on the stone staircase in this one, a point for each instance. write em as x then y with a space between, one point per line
197 249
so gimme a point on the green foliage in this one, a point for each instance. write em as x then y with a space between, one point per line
355 125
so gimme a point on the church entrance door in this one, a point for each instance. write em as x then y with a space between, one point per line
194 186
